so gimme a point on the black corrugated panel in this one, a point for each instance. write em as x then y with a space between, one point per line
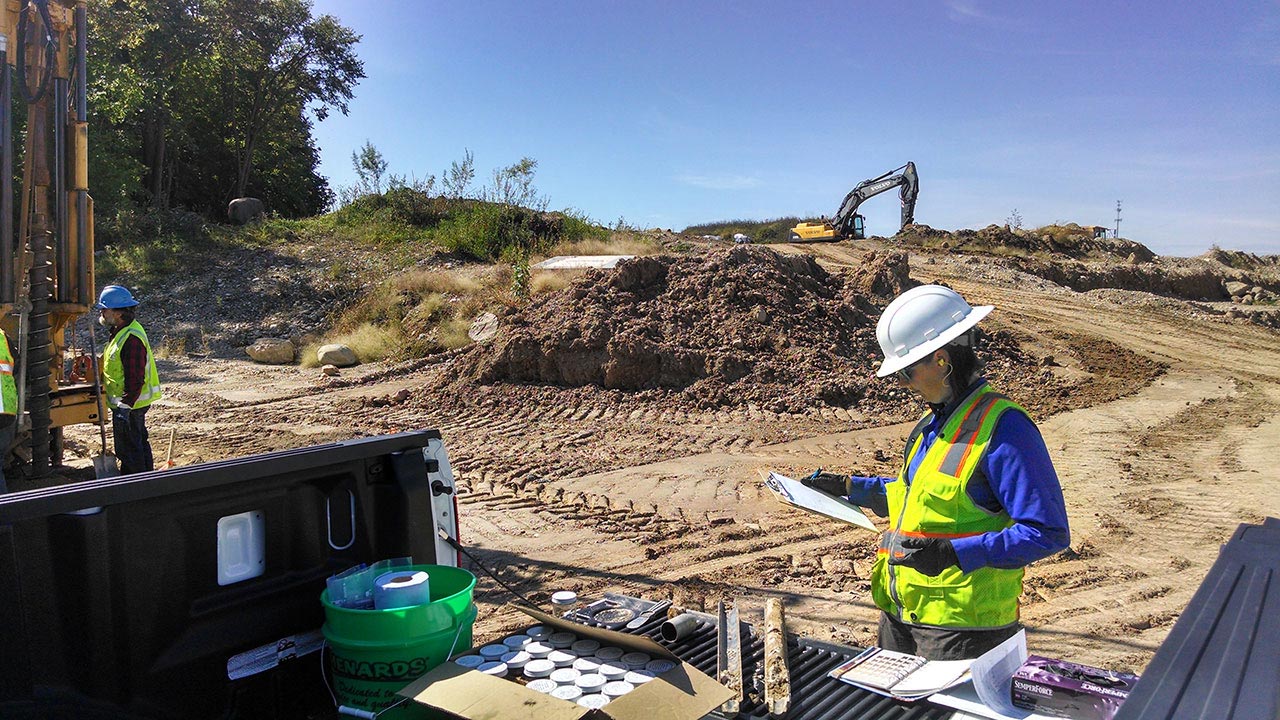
1222 658
814 696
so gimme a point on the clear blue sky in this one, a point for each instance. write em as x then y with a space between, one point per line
673 113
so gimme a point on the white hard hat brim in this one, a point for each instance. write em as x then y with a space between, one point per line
918 353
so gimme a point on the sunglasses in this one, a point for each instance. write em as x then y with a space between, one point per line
906 373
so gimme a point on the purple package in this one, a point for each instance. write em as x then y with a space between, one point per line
1065 689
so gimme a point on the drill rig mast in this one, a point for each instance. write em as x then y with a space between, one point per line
46 261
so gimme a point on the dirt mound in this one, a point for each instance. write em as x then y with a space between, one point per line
1060 241
732 328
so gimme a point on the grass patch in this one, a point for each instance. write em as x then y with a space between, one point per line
369 342
548 281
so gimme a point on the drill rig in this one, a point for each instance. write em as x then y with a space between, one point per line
847 223
46 261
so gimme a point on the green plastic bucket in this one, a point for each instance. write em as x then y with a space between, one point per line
375 653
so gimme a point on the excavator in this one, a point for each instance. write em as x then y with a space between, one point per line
847 223
46 243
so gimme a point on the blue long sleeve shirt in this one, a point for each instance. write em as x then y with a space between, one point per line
1017 477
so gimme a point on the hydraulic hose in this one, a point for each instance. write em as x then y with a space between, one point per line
50 49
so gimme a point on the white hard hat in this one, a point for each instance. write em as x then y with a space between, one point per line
921 320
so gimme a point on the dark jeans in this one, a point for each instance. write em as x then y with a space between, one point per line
938 643
6 439
133 448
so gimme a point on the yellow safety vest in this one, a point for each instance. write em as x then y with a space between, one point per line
113 369
935 505
8 388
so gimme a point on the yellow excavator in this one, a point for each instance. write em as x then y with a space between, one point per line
847 223
46 261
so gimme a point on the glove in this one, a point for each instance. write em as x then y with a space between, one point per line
829 483
927 555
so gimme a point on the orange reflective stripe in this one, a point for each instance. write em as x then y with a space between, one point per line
969 443
949 536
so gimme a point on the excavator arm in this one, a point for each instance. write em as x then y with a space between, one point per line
847 223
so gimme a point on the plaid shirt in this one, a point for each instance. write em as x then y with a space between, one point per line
133 356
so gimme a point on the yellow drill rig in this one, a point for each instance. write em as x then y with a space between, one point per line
46 261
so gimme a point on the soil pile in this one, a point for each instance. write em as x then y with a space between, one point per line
735 327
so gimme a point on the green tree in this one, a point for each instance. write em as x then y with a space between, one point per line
369 166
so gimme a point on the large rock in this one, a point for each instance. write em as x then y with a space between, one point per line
244 210
1235 288
337 355
271 351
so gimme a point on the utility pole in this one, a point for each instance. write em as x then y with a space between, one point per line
1117 230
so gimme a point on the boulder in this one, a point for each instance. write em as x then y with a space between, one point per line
271 351
337 355
1235 288
331 370
242 211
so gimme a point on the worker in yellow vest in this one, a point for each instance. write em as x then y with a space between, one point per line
129 378
975 500
8 405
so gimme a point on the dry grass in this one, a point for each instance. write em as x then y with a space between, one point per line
617 244
546 281
369 342
453 333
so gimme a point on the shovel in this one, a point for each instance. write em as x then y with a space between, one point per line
104 465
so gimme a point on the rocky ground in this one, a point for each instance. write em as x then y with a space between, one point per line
609 437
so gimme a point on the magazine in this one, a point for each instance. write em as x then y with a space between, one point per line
900 675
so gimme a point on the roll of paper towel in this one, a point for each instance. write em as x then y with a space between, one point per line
401 588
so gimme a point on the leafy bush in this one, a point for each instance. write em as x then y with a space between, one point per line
775 230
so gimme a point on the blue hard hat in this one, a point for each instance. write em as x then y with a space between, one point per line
115 297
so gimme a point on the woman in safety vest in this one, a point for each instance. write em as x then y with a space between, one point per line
129 377
976 498
8 405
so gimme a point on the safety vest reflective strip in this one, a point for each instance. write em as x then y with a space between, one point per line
113 369
8 389
985 598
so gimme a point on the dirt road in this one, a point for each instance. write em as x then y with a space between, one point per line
1169 422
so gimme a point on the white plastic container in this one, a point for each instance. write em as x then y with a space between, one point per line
617 688
590 682
538 669
538 632
470 661
497 669
493 652
538 649
610 653
636 660
543 685
565 676
587 664
659 666
562 658
561 640
585 647
639 677
567 692
517 642
516 659
614 671
595 702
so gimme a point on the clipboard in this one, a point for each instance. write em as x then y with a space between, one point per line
794 493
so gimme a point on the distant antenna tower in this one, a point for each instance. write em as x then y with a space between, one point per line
1117 231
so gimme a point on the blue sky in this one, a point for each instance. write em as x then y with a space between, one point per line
674 113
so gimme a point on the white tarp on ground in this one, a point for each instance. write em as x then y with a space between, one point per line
579 262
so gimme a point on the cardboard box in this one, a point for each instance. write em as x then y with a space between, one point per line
681 693
1065 689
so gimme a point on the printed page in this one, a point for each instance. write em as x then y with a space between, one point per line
993 674
934 676
793 492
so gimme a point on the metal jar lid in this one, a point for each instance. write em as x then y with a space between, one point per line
538 632
561 640
567 692
493 652
614 671
497 669
639 677
595 702
470 661
565 675
636 660
585 647
516 642
617 688
610 653
587 664
590 682
516 659
538 649
544 686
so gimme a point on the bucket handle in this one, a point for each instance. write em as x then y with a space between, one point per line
474 612
328 516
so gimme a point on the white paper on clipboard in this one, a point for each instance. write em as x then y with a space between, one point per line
793 492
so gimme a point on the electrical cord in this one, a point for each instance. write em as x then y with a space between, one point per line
458 546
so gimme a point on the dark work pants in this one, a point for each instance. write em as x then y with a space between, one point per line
133 447
938 643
